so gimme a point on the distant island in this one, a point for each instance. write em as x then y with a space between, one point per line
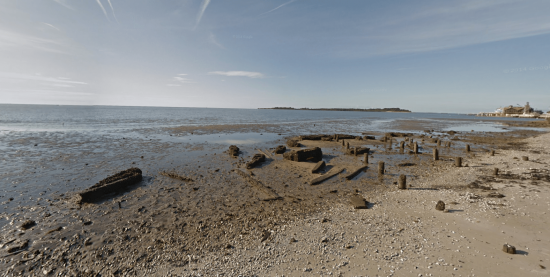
392 110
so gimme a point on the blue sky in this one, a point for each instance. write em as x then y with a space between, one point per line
424 55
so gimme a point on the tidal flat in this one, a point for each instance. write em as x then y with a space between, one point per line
212 221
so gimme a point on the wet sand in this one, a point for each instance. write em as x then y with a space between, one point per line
215 222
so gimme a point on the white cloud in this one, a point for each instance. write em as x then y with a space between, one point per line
62 3
238 74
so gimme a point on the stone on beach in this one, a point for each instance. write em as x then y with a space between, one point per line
440 206
257 159
233 150
358 202
507 248
292 143
280 149
310 154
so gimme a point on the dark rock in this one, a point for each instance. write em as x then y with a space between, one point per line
495 195
507 248
28 224
369 138
310 154
256 160
315 137
343 136
358 202
18 247
233 150
393 135
280 149
111 184
318 167
292 143
440 206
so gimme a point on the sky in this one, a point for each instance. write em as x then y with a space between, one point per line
457 56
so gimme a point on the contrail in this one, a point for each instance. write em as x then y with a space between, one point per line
114 15
201 12
279 7
104 11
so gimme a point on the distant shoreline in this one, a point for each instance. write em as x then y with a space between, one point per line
392 110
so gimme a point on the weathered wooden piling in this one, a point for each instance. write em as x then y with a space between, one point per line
347 145
366 158
525 158
415 148
467 148
438 142
355 151
449 145
402 181
343 142
492 153
495 171
381 168
402 145
436 154
458 162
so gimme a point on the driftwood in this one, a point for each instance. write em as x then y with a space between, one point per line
256 160
326 176
310 154
354 173
174 175
111 184
357 150
265 153
318 167
256 184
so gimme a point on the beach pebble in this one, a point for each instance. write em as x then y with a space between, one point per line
440 206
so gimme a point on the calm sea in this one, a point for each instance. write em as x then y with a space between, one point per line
89 118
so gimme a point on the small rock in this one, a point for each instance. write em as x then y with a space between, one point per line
324 239
28 224
507 248
358 202
440 206
293 240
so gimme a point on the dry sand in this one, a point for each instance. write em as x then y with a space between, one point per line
218 224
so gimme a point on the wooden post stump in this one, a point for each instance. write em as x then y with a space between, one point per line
449 145
438 142
366 158
495 171
467 148
381 168
355 151
492 153
525 158
343 142
402 145
458 161
347 145
402 181
415 147
436 154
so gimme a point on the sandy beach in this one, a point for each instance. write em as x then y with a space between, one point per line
193 215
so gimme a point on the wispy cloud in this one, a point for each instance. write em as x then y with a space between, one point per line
62 3
201 12
50 25
278 7
213 40
18 77
238 74
16 40
103 9
113 10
